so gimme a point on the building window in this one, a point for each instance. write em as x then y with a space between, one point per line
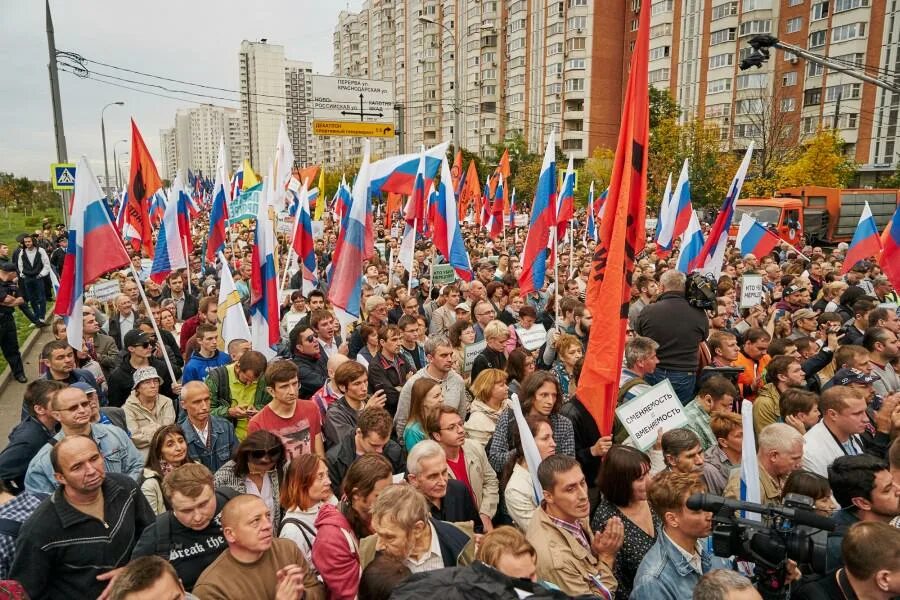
718 85
795 2
793 25
717 110
752 81
850 31
574 3
746 130
554 108
657 53
810 124
814 70
634 24
660 30
817 39
575 85
749 5
856 59
658 75
572 144
819 11
516 98
746 106
787 105
722 35
575 44
556 48
847 91
577 23
812 97
842 5
721 60
755 27
577 63
663 6
724 10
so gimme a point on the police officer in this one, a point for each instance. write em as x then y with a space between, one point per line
10 298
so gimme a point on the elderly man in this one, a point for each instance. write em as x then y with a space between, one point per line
210 439
377 317
449 499
780 453
122 321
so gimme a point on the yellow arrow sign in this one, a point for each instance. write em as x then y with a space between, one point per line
350 129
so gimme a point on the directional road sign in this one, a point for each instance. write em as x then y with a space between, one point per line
353 129
62 176
359 101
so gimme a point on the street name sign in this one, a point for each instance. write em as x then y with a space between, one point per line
346 106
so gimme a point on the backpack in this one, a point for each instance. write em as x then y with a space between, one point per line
620 434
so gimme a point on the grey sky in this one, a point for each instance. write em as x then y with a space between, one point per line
191 40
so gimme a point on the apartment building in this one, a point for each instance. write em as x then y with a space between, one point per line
169 153
193 143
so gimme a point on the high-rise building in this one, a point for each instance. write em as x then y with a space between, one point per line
274 89
169 153
193 144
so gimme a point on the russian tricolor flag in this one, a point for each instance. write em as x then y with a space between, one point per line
157 207
398 173
264 317
674 220
169 254
565 209
342 201
416 206
865 243
512 208
218 214
753 238
496 225
94 249
543 219
591 231
663 221
890 256
303 242
447 235
691 246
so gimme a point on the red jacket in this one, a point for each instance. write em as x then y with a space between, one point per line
335 553
188 330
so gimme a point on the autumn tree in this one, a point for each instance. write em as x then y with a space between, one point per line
597 168
821 162
771 130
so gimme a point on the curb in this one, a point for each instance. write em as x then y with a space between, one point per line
24 349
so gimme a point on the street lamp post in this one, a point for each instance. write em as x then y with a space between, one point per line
103 133
116 163
457 109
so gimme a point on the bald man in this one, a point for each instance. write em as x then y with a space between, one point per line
256 565
327 394
210 439
73 546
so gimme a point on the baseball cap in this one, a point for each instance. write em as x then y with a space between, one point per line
846 376
84 387
803 313
144 374
793 289
136 337
464 306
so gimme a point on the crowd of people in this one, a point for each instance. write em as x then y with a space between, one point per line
387 459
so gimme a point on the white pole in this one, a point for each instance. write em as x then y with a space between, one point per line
159 339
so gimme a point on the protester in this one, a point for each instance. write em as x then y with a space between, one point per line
167 452
146 410
780 453
515 479
491 400
427 396
210 439
28 437
304 491
720 460
352 380
238 390
257 469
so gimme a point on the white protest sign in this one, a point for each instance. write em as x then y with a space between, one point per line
380 248
442 274
106 290
532 338
290 320
470 352
752 290
318 229
657 408
285 224
395 231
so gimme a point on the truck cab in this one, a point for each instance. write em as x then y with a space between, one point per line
783 216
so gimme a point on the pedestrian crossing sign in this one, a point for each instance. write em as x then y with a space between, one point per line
62 176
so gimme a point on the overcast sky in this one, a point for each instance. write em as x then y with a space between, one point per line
190 40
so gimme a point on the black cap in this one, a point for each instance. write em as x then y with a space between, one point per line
136 337
7 267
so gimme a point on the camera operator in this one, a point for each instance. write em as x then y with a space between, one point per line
722 584
871 567
866 491
780 453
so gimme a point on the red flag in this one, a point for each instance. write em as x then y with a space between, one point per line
143 183
621 238
502 169
471 190
456 171
392 204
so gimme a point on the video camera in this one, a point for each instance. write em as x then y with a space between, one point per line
784 532
700 291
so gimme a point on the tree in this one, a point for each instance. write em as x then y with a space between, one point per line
662 106
518 152
597 168
771 131
821 162
526 181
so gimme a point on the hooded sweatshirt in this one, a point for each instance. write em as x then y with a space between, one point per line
335 554
198 366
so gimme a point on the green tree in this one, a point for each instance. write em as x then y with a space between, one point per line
526 180
821 162
662 106
597 168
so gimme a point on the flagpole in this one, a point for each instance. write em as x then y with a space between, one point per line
159 339
555 273
409 277
571 247
187 264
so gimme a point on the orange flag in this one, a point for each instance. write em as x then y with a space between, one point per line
470 190
456 171
143 182
502 169
391 205
621 238
307 175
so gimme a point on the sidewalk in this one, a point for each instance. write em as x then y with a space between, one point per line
12 394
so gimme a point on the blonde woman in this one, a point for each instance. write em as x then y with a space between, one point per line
491 399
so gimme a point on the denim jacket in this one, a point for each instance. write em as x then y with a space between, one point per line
222 442
665 574
119 456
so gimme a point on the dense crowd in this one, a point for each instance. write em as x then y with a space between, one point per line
388 460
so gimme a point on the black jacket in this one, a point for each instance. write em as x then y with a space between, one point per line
384 375
458 506
488 359
24 442
477 581
313 373
586 435
191 304
122 380
61 550
341 456
678 327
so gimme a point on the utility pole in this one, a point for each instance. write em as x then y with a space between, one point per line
400 129
837 110
62 154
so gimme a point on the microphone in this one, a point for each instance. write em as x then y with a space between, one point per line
714 504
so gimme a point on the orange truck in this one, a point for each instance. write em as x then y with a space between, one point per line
817 215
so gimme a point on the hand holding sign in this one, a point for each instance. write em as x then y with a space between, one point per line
657 409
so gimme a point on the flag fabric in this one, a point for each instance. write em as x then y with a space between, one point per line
529 447
456 173
303 244
691 246
749 490
890 256
565 208
237 183
415 211
346 280
342 201
543 219
218 214
398 173
485 211
264 317
94 249
157 207
602 208
232 322
320 203
753 238
664 222
284 165
169 255
591 230
184 211
143 182
496 223
470 190
865 243
393 203
447 236
622 237
120 216
501 170
713 254
680 203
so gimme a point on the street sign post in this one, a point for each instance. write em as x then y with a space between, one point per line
62 176
352 107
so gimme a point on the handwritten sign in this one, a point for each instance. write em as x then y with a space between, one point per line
532 338
657 408
752 290
442 274
470 352
106 290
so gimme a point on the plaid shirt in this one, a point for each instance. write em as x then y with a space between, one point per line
325 397
18 510
575 529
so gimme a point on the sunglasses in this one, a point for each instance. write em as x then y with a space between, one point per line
272 453
310 338
144 344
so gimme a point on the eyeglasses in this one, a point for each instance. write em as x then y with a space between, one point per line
309 339
273 453
455 427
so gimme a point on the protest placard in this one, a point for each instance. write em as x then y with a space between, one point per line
752 290
470 352
442 274
318 229
106 290
532 338
657 408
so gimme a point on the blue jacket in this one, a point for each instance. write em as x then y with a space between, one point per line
119 456
198 366
665 573
222 442
25 440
